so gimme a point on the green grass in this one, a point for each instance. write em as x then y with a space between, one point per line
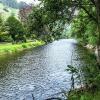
5 14
84 95
11 48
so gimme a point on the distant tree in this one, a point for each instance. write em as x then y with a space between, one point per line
2 26
3 33
1 22
24 13
15 29
44 25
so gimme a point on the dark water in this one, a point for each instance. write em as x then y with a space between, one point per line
40 71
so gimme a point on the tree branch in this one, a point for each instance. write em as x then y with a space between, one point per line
93 2
90 15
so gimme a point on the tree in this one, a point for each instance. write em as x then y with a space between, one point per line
15 29
84 29
97 3
1 22
38 24
68 8
44 24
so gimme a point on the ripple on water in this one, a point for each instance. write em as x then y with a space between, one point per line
40 71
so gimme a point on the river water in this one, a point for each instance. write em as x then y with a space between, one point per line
39 71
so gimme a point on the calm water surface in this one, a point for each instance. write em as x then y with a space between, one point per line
40 71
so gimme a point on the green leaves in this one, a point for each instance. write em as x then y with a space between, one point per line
15 28
72 69
1 24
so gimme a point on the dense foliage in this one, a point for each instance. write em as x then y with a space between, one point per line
80 13
51 17
15 29
48 20
46 25
12 30
84 29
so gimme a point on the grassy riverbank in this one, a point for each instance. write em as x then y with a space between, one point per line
84 95
90 73
11 48
90 92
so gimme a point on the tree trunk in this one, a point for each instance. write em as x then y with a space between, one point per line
97 2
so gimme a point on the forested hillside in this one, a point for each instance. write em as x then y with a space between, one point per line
6 11
10 3
10 7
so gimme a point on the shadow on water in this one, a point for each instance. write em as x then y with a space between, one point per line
39 71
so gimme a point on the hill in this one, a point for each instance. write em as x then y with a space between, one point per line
13 4
10 3
6 11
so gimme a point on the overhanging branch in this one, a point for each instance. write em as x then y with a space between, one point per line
90 15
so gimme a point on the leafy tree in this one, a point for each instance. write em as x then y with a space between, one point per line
68 9
1 22
43 25
48 16
85 32
37 23
3 34
15 29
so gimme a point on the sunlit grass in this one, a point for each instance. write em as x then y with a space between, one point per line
9 47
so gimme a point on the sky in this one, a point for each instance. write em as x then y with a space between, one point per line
30 1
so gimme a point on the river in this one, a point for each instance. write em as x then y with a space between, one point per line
40 71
